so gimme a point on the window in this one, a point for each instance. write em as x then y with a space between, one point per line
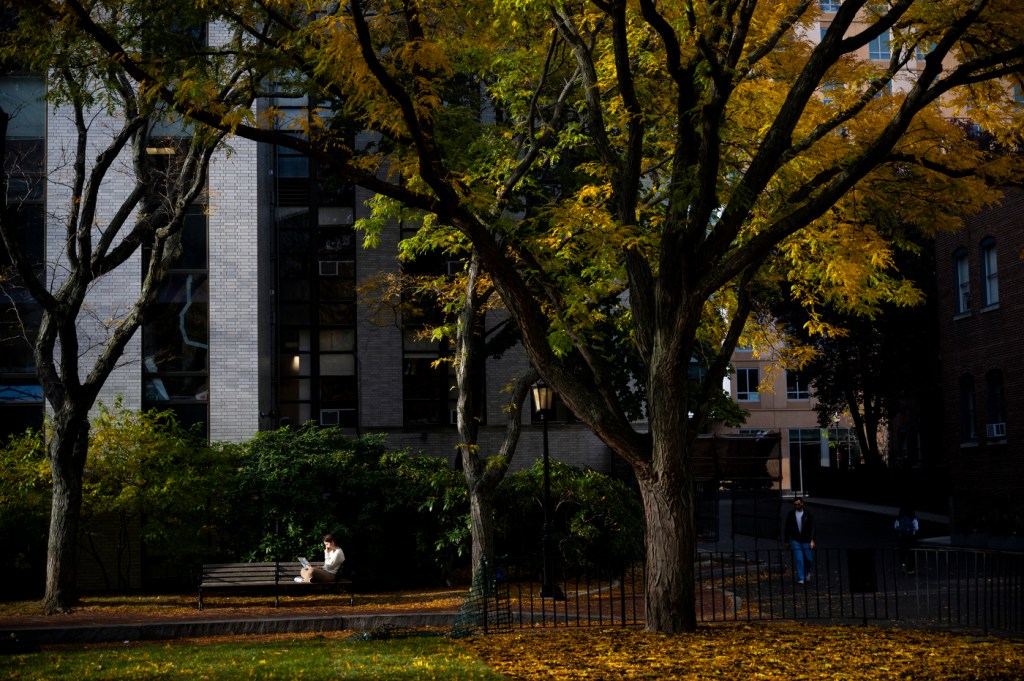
429 394
830 5
961 282
989 273
316 367
804 456
23 99
843 448
827 90
21 405
696 371
747 381
996 427
968 429
428 381
796 386
878 49
176 337
921 50
21 396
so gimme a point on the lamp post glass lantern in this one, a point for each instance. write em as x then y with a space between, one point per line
543 402
543 398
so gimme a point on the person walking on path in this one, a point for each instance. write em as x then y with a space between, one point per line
798 533
906 527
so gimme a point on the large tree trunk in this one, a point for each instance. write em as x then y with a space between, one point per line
67 453
669 583
668 492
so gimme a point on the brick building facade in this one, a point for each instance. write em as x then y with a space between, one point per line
980 272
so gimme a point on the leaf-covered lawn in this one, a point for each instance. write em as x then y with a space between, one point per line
775 650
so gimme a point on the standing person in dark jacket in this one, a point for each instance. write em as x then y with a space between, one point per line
798 533
906 526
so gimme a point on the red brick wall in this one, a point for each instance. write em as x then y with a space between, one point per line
988 475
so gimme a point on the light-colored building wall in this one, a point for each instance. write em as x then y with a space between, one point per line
112 296
235 261
774 411
378 333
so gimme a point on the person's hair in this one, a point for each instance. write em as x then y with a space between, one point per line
329 538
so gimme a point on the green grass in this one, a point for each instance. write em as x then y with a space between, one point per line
316 657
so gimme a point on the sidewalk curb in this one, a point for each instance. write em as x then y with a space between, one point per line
873 508
29 637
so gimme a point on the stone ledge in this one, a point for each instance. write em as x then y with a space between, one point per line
158 631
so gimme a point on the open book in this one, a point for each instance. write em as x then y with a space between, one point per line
305 563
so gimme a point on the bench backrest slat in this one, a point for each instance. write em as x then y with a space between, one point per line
250 573
253 573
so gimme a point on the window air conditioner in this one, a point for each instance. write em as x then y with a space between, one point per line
330 417
329 268
997 430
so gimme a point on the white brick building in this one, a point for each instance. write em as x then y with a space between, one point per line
262 324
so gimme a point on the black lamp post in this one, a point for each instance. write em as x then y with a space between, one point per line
543 401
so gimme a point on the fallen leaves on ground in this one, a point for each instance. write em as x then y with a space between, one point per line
770 650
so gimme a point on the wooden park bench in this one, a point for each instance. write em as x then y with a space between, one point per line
275 577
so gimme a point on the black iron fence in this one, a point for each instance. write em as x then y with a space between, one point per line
931 586
954 588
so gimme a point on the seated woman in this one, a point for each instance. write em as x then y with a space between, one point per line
334 557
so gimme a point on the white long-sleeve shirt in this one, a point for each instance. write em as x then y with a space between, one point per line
333 560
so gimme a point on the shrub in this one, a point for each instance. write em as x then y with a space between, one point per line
596 520
146 468
24 514
396 516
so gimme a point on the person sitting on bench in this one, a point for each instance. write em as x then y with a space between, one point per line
334 558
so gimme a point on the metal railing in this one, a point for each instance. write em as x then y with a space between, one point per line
954 588
938 587
587 597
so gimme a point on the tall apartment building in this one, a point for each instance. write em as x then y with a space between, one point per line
264 321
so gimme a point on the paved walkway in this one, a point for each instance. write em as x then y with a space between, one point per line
840 524
148 623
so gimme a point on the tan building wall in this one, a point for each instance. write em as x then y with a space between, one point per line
775 407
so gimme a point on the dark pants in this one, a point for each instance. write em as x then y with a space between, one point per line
907 541
803 558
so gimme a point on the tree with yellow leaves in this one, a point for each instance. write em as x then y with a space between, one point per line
655 166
